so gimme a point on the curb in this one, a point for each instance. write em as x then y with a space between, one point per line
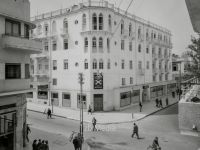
111 122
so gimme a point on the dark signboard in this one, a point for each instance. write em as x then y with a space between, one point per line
98 81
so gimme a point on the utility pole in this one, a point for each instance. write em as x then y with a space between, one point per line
81 105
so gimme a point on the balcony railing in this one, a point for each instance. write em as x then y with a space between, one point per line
161 70
140 71
25 44
155 70
155 56
64 32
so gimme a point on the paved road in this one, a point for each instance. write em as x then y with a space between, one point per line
163 124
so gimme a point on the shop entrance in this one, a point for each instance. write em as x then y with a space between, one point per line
98 102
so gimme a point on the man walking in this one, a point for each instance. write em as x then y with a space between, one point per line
156 102
140 105
48 113
135 131
94 121
28 130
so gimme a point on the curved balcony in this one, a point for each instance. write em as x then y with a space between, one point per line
17 43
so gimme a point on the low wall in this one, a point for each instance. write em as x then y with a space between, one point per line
189 115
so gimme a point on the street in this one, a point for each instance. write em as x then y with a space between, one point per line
163 124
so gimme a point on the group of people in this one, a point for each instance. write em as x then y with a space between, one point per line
159 103
40 145
155 145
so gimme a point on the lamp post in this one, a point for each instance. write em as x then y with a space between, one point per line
52 100
81 105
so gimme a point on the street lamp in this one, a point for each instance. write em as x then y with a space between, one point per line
52 101
81 106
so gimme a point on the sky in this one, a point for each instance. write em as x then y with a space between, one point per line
171 14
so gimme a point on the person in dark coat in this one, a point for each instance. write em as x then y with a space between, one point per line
135 131
160 103
39 144
76 143
46 147
28 130
34 145
140 105
94 122
48 113
90 110
155 145
156 102
167 101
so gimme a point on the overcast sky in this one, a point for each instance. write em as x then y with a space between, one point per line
171 14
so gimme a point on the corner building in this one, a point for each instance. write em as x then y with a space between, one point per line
15 50
124 59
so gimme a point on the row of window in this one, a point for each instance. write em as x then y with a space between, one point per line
100 65
66 99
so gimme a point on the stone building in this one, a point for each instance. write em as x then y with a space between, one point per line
124 59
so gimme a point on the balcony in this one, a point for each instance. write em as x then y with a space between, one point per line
141 37
161 70
17 43
140 71
42 73
64 32
155 56
9 85
155 70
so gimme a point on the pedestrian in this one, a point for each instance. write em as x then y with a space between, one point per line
28 130
160 102
135 131
34 145
167 101
76 143
156 102
94 122
39 144
155 145
90 110
140 105
80 140
48 113
46 145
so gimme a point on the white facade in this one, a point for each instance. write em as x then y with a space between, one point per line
130 53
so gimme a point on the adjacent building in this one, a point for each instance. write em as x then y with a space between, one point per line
124 59
15 50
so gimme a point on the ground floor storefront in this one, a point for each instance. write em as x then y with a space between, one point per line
102 100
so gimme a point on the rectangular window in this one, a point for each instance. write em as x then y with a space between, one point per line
12 28
54 64
46 67
123 81
139 65
26 31
122 44
131 80
147 64
12 71
130 46
54 81
54 45
108 65
130 64
83 100
27 71
46 46
65 44
65 64
122 65
66 100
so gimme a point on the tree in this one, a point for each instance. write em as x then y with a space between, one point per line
194 54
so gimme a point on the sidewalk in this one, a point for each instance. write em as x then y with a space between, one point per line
128 115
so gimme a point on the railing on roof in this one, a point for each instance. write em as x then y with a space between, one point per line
99 4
